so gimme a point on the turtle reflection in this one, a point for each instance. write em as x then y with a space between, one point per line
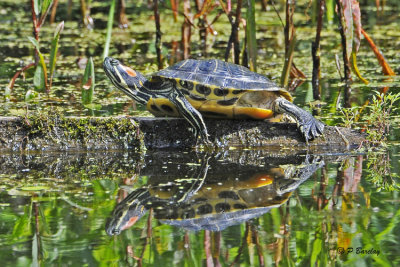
212 200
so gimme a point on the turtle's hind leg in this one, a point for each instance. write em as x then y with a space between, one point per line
309 126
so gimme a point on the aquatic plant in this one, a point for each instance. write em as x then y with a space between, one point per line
349 116
88 83
351 31
377 119
43 79
39 10
380 173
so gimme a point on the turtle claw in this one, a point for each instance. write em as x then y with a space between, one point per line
202 137
205 143
310 127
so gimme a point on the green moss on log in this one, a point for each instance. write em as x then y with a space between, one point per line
55 130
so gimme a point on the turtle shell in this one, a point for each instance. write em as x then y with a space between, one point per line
215 213
219 89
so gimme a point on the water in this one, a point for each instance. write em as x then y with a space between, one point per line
58 208
329 209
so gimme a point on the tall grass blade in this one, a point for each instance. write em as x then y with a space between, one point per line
251 35
109 28
330 11
46 4
41 62
288 62
39 80
37 6
54 49
88 83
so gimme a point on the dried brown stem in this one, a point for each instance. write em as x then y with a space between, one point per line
37 230
338 188
174 7
315 51
288 61
186 30
53 11
148 236
234 37
322 200
36 29
207 248
83 10
290 40
235 32
121 15
186 241
201 14
386 69
346 63
289 26
86 18
240 251
158 34
256 240
69 9
227 11
217 248
16 75
264 5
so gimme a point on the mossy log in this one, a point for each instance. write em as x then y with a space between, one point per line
57 133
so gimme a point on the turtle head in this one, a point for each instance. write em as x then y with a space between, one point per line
127 212
124 78
123 219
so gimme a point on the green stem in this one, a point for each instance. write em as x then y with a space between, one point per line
109 29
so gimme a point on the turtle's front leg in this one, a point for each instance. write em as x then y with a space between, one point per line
191 114
309 126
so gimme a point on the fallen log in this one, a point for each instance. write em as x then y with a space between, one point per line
57 133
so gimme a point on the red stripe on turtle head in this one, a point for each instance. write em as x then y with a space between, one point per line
130 71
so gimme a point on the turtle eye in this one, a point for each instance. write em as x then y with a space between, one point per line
130 71
113 61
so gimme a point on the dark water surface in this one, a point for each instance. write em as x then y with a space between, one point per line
246 207
242 207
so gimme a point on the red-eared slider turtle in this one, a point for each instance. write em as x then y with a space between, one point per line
211 88
211 203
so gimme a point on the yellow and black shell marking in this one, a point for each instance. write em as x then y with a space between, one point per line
218 89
